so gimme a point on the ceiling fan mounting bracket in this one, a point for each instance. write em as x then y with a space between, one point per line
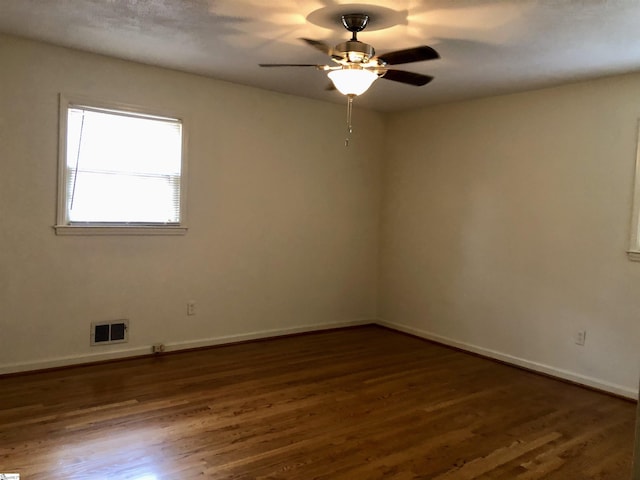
355 22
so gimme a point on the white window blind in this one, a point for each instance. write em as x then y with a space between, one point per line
122 168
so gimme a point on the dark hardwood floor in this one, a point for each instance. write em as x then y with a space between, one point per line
361 403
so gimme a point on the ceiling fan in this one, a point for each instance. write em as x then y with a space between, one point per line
357 67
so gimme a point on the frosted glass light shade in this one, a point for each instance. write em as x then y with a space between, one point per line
352 81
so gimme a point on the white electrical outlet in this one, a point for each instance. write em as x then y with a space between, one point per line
581 337
191 308
157 348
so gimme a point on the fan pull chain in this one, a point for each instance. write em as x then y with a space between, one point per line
349 115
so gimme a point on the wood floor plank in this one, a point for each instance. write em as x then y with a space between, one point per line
361 403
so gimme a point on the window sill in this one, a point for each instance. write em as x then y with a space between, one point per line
120 230
634 255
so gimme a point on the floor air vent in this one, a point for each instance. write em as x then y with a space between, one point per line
103 333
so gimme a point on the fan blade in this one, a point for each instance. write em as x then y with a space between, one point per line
417 54
291 65
318 45
409 78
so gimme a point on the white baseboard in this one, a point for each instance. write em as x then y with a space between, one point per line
69 360
229 339
520 362
243 337
171 347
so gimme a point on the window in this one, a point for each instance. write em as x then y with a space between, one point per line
121 170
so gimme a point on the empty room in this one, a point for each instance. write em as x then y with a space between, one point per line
319 239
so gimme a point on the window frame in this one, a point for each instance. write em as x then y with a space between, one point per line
634 243
63 225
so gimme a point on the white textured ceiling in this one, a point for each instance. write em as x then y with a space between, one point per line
487 46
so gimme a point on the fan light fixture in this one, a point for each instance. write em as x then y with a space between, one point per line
352 81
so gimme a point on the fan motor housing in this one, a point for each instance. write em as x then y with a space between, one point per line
354 51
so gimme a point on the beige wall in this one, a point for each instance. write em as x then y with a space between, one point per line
505 225
283 218
504 222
